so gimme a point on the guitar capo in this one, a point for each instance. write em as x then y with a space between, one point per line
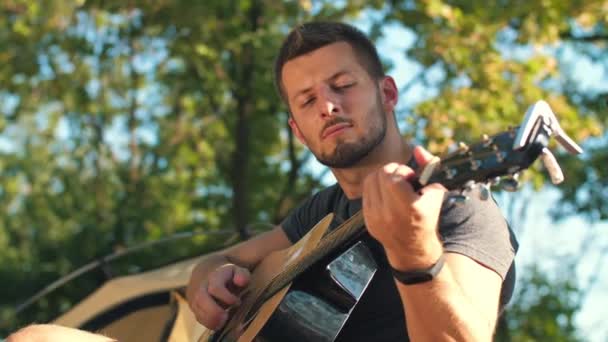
540 123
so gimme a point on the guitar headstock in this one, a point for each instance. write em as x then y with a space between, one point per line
501 157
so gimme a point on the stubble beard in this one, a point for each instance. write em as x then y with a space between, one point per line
346 155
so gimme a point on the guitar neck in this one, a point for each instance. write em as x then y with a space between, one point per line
503 154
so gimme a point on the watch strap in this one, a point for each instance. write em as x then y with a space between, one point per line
420 275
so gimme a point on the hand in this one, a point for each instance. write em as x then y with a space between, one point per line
405 222
210 303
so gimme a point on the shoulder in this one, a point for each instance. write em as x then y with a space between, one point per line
478 230
311 211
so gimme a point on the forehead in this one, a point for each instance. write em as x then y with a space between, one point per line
317 65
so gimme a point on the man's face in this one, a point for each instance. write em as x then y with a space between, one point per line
338 111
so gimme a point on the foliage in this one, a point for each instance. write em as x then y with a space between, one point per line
490 61
543 308
123 123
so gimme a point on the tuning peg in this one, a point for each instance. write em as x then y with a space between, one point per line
510 184
458 199
552 166
495 181
463 148
486 140
468 188
500 156
484 192
475 164
449 173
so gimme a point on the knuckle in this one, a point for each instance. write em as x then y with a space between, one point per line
389 168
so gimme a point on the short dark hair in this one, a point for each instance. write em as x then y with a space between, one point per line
308 37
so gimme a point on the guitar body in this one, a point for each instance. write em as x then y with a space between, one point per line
317 305
311 308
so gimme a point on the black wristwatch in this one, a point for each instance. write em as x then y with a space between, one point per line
421 275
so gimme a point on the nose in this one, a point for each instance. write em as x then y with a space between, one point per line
329 102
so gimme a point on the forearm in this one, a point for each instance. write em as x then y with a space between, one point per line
440 311
246 254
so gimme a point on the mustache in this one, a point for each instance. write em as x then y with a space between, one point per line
334 121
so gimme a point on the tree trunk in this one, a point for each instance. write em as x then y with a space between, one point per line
245 107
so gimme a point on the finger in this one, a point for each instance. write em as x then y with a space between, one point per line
398 182
208 312
370 195
422 156
389 169
401 173
241 277
431 198
218 289
209 321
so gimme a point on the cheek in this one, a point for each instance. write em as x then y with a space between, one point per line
307 129
362 102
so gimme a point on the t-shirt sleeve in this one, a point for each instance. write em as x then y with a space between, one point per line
301 219
477 229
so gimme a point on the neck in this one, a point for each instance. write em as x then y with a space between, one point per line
393 149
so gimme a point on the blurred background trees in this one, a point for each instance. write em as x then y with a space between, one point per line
126 122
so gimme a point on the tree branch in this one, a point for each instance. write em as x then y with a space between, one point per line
593 38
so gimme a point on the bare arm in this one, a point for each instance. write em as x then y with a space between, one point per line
213 281
461 303
52 332
464 294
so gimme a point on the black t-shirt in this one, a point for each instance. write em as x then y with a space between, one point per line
476 229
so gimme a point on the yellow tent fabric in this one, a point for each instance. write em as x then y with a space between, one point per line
147 324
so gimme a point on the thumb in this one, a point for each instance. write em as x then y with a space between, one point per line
422 156
240 276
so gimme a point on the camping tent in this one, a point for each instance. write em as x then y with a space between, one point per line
149 306
141 306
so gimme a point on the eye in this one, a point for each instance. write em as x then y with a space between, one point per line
343 86
308 101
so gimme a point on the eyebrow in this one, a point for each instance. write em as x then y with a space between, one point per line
330 78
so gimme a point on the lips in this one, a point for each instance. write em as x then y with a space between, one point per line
334 128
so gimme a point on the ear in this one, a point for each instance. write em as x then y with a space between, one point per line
390 94
296 130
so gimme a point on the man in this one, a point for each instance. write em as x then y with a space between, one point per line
342 108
